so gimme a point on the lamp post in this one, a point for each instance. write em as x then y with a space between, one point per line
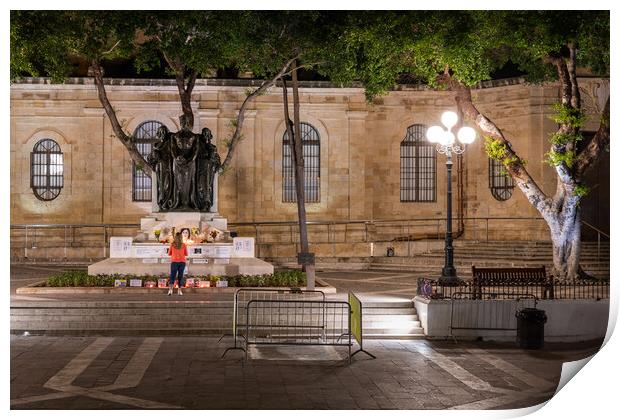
446 144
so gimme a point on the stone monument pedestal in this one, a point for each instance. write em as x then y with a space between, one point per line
151 258
179 220
216 267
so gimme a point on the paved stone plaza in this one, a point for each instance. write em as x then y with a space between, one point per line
188 373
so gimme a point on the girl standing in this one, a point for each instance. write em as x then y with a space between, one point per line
177 252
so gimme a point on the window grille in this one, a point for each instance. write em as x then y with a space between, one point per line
500 183
46 170
145 135
418 167
311 150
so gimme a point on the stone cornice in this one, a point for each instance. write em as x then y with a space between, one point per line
246 83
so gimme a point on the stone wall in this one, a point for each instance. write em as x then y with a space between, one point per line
360 146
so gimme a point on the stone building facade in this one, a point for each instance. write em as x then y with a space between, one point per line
360 158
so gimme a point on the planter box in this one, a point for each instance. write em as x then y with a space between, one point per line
38 288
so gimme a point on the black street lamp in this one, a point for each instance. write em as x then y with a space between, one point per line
446 144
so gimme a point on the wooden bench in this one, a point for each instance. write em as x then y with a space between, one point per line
525 279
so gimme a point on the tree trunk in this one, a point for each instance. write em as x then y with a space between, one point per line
294 133
566 241
185 92
299 168
561 213
126 140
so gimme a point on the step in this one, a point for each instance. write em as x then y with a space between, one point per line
392 331
389 336
123 332
370 311
395 304
390 324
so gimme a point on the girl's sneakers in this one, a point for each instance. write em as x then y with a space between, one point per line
170 291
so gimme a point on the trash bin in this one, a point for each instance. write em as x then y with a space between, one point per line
531 328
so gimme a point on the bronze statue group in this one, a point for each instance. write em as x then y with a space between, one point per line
185 164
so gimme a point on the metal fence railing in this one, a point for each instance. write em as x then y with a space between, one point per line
67 236
270 233
487 311
244 295
551 289
298 322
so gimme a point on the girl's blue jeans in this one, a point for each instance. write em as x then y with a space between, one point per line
176 270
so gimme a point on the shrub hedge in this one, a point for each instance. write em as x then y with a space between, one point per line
290 278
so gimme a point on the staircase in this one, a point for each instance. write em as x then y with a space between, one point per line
156 318
390 320
497 254
121 318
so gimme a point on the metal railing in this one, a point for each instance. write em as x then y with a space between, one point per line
480 229
298 322
543 290
599 234
246 294
35 234
489 312
400 229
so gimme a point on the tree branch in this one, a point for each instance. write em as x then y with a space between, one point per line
111 49
515 167
596 146
564 77
236 137
572 72
288 73
191 82
569 91
287 120
126 140
185 92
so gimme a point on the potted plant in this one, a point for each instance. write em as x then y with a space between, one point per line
157 232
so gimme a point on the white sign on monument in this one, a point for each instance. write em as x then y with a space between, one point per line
223 251
120 246
243 247
150 251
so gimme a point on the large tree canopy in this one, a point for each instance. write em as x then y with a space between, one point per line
457 50
189 45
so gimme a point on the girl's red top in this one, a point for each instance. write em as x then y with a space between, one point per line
178 255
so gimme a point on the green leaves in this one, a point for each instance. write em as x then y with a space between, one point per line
495 149
568 115
581 190
563 139
372 47
555 158
377 48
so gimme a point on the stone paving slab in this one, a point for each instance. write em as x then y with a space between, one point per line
188 373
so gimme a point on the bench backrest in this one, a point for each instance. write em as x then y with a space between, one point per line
512 274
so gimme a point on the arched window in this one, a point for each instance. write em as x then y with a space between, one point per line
145 135
500 183
311 143
46 170
418 166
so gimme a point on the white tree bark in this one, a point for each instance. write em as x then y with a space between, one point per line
565 228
